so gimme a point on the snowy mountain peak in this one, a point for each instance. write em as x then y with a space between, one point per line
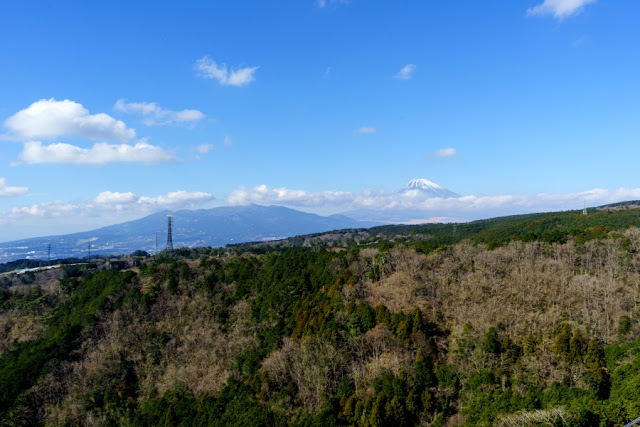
424 186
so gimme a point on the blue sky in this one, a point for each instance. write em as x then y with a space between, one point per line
111 111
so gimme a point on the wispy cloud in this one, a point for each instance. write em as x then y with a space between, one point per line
6 191
560 9
209 69
204 148
406 72
48 118
580 41
367 129
155 115
35 152
107 203
444 152
324 3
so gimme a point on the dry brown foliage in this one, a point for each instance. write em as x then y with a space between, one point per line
196 357
313 366
526 287
16 327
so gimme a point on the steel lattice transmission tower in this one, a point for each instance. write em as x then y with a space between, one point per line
169 233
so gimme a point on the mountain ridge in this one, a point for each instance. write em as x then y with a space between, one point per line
191 228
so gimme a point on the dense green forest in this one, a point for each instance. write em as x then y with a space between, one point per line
526 320
555 227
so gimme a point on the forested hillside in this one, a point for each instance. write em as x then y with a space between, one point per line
547 227
505 325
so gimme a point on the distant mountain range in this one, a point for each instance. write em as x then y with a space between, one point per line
191 228
216 227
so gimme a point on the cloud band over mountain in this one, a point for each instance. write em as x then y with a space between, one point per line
406 206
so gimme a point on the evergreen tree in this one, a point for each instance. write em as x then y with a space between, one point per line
530 346
491 343
422 374
416 317
383 316
597 373
561 345
395 412
576 348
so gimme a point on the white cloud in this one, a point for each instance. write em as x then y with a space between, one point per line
264 195
48 118
204 148
155 115
367 129
559 8
406 72
127 204
135 203
444 152
228 141
34 152
189 116
208 69
53 209
6 191
404 207
110 197
176 198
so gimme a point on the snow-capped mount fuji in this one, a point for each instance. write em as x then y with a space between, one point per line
427 188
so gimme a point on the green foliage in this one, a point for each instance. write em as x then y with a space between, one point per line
361 318
383 316
21 367
293 296
531 343
34 263
561 345
423 376
491 342
597 373
172 278
576 348
624 325
235 406
555 227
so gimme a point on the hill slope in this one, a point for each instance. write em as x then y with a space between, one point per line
389 334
